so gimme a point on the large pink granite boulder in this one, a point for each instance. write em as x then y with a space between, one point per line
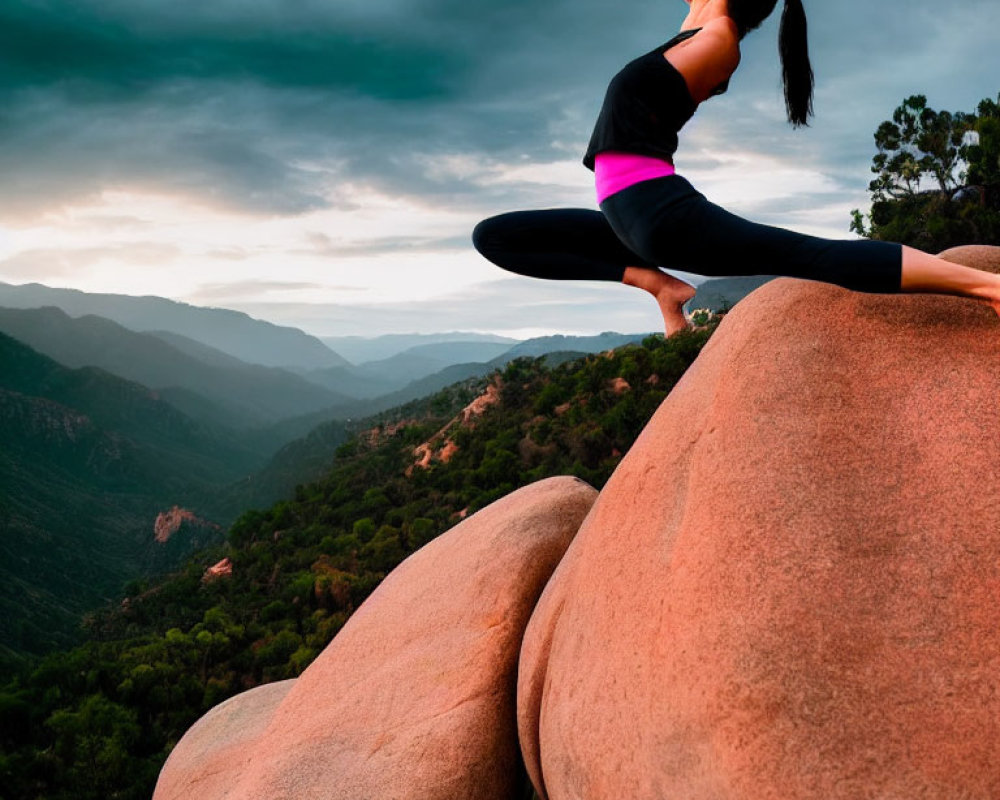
415 698
790 587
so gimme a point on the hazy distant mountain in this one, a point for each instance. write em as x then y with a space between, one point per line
356 409
232 332
428 368
202 352
422 387
376 379
448 353
310 441
185 446
87 461
716 292
358 349
453 373
301 460
310 456
350 380
400 369
390 375
543 345
240 394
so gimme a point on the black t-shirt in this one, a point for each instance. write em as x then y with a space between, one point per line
645 106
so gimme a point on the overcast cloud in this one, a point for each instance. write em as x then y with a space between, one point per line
328 160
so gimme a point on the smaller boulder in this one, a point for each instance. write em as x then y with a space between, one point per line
200 766
414 699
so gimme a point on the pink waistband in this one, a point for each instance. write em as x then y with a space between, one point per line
616 171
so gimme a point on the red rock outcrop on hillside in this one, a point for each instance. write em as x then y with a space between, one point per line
490 397
222 569
619 385
373 437
789 587
440 447
169 522
414 698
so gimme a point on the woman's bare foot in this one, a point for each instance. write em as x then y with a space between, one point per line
671 294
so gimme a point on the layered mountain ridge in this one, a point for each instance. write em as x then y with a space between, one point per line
232 332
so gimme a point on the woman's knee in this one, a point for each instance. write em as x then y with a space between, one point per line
486 236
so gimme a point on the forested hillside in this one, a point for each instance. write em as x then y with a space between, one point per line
87 462
98 721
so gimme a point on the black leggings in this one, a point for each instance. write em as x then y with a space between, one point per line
666 222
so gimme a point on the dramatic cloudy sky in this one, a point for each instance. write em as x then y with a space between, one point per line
322 162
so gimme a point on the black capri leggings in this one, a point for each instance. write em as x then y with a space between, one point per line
666 222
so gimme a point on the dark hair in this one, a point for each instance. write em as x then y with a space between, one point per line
793 45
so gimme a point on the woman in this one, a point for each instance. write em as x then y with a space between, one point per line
652 217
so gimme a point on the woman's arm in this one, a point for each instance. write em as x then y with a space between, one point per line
708 58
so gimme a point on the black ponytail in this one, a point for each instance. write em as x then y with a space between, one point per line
796 70
797 74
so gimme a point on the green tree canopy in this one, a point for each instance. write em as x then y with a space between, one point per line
918 142
958 154
983 152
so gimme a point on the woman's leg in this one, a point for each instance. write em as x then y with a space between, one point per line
923 272
556 244
577 244
671 294
668 220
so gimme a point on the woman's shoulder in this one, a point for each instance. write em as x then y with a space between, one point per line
720 35
724 27
707 59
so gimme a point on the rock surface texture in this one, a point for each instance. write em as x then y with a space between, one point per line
200 766
974 255
415 697
790 588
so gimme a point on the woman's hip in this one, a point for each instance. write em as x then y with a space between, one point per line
658 218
